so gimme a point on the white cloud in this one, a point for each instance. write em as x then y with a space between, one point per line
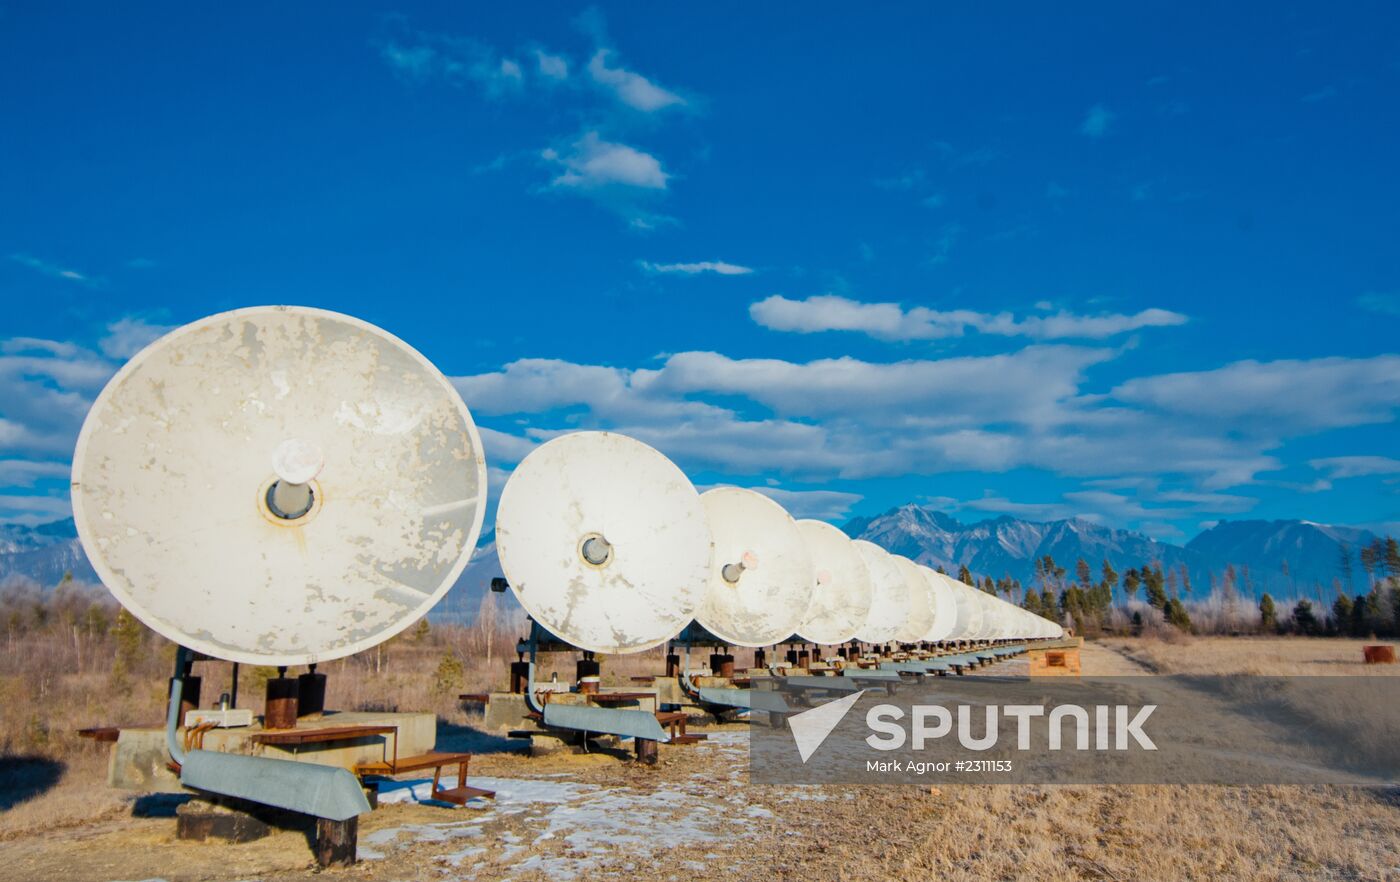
849 418
19 508
1096 122
593 163
414 62
890 321
632 89
1277 396
504 448
1386 304
704 266
552 67
51 269
1338 467
420 57
24 473
128 336
823 505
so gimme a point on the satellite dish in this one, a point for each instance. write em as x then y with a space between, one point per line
889 603
841 601
919 617
762 580
969 611
945 609
278 485
604 542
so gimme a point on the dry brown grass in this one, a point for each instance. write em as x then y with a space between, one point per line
1256 656
1260 834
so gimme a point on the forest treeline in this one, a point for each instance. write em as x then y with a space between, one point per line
1150 596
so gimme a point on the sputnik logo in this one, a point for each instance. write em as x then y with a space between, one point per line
811 727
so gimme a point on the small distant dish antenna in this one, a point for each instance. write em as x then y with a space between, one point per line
945 608
278 485
763 577
889 605
969 624
604 542
919 617
841 601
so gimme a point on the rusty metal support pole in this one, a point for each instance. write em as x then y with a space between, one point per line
336 842
725 665
588 672
647 751
280 709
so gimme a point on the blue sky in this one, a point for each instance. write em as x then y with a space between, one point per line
1135 263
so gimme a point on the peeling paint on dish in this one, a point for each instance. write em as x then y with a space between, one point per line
176 452
584 484
771 596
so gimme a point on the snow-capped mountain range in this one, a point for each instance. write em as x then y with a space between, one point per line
39 556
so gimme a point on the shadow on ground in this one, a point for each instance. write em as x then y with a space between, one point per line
457 738
24 777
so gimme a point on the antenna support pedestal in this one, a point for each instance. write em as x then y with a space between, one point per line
589 675
280 711
311 695
722 664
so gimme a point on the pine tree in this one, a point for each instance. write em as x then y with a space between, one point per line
1392 557
1131 580
1083 573
1176 614
1304 619
1342 615
1368 563
1268 615
964 575
1344 564
1155 586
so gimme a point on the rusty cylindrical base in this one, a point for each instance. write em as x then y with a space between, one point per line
804 658
722 665
647 751
588 671
280 711
311 694
1379 654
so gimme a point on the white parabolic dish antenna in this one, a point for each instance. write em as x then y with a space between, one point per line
889 603
278 485
945 609
919 617
763 579
841 601
604 542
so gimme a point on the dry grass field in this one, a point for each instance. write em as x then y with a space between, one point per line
695 816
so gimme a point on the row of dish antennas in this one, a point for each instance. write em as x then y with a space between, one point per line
609 546
285 486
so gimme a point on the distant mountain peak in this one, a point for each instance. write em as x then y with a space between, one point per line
1010 546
